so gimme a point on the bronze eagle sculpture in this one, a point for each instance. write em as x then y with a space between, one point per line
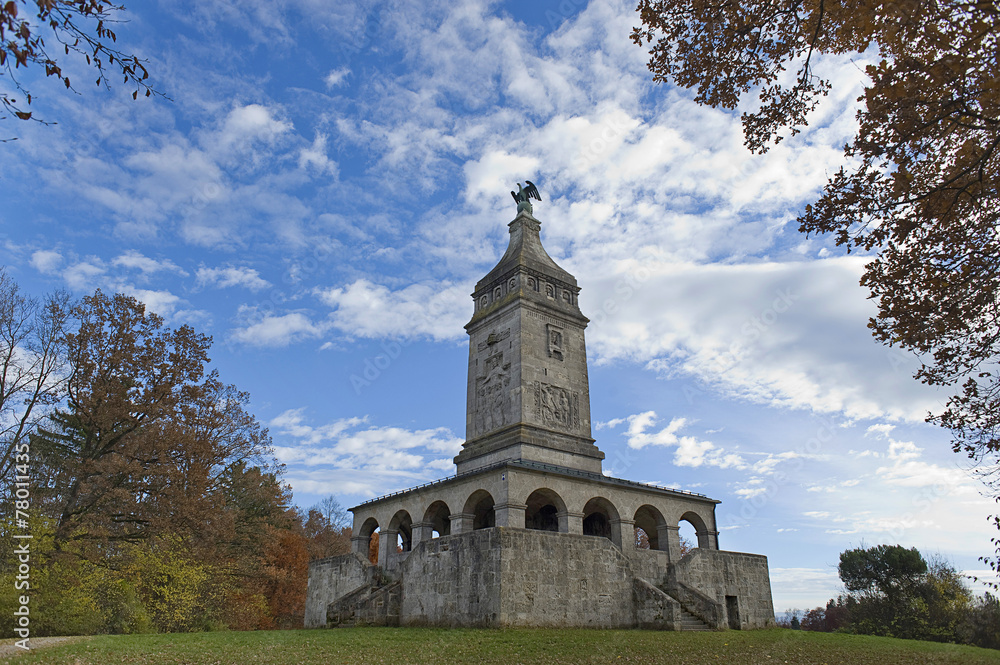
524 194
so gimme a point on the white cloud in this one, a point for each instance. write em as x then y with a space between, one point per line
354 448
228 276
336 77
314 158
269 330
688 450
363 309
245 126
46 261
137 261
85 275
291 423
803 588
880 430
784 334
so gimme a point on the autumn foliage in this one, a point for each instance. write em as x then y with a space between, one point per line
158 504
921 188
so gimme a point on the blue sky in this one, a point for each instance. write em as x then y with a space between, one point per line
328 181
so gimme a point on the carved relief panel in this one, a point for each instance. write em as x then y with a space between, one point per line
493 403
556 406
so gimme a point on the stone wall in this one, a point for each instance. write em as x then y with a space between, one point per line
563 579
452 581
743 577
333 578
501 577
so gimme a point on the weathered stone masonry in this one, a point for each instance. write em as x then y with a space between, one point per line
530 532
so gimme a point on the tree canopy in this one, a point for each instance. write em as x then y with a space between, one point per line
922 182
157 502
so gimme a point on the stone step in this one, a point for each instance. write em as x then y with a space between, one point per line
691 622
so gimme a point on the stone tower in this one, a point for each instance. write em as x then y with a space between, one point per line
528 392
530 532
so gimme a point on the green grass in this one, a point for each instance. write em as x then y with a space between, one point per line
401 646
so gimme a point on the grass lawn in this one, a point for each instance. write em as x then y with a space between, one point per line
400 646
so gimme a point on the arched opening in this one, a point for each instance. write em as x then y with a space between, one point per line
598 515
692 532
480 506
648 521
370 530
403 526
439 517
543 510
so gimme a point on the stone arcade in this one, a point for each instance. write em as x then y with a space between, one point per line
530 532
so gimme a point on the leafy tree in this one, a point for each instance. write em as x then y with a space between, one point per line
836 616
922 187
894 591
171 583
102 455
373 548
883 570
79 26
982 623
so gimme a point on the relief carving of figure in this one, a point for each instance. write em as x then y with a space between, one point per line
556 406
493 396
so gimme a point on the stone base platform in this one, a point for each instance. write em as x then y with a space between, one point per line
503 577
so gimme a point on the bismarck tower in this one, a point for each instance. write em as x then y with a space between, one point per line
530 532
528 395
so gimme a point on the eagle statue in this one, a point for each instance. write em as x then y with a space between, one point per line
524 194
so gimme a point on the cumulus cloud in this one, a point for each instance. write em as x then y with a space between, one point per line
135 260
688 450
85 275
46 261
247 278
364 309
272 330
384 456
246 125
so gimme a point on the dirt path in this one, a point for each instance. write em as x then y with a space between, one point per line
8 650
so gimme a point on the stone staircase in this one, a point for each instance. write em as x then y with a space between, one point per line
691 622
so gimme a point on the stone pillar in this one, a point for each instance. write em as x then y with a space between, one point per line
673 546
360 544
709 540
510 514
421 531
570 522
623 533
663 537
386 547
461 522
